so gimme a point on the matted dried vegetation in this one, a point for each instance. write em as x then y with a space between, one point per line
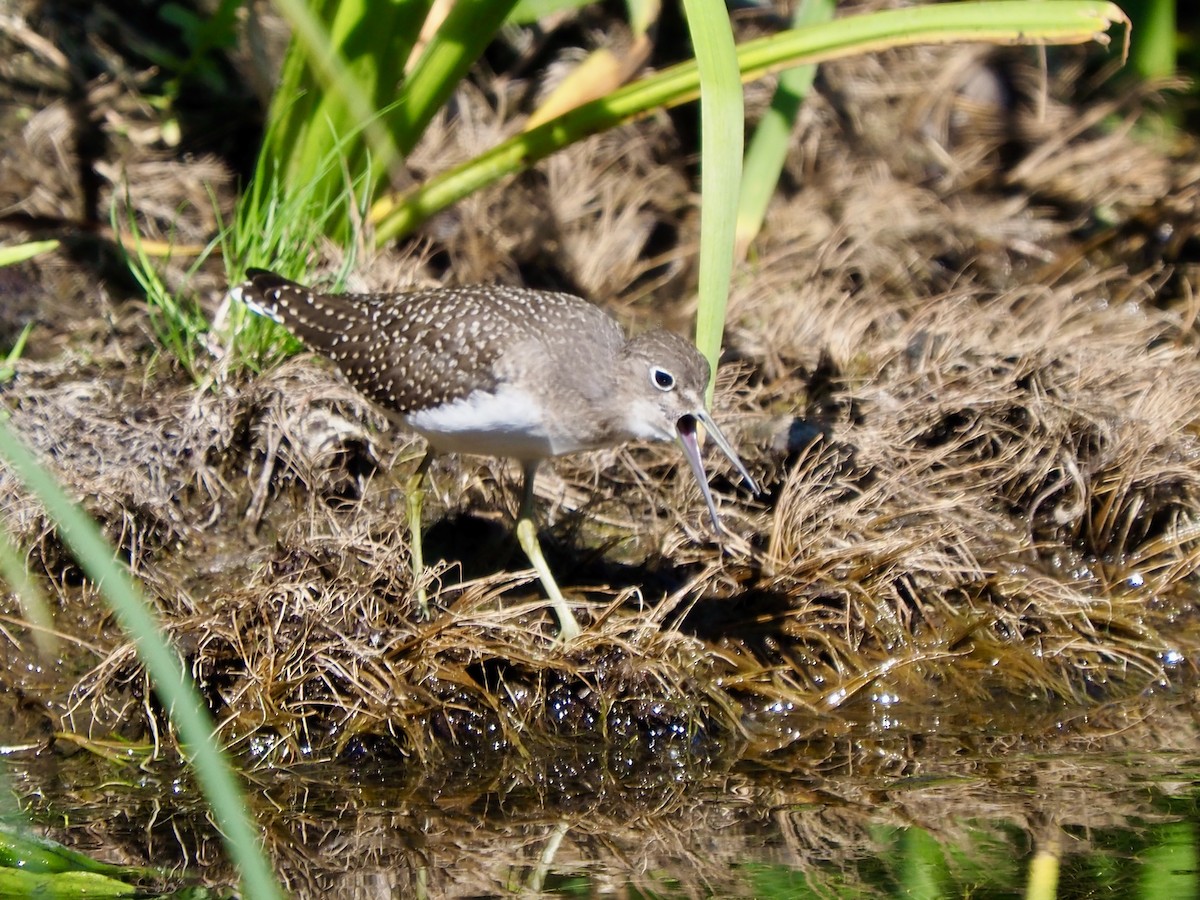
962 360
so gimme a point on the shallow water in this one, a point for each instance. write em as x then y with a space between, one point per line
888 807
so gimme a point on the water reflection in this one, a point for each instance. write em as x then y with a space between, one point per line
1102 805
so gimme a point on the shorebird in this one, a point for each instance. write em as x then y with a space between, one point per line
501 371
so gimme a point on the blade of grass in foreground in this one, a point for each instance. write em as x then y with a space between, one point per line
82 536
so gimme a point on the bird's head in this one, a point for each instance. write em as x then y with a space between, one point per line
666 379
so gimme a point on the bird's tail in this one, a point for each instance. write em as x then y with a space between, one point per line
317 319
264 293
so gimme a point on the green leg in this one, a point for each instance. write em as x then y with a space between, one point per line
414 494
527 536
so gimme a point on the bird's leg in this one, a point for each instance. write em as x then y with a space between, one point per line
527 536
414 495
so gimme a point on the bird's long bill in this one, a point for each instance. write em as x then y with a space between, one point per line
686 429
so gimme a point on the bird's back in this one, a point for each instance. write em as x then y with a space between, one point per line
420 349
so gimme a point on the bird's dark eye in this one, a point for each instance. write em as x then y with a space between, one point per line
663 380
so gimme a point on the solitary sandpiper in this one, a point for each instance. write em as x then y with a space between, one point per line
500 371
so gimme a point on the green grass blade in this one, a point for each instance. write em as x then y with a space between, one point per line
1169 866
178 322
21 252
338 91
171 682
20 849
62 885
343 67
1004 22
9 362
1155 40
34 605
346 78
527 12
458 43
722 119
921 865
769 146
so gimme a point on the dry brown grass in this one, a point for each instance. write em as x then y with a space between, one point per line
975 418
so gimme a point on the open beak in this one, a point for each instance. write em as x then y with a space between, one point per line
686 430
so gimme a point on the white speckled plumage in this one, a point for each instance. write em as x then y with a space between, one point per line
502 371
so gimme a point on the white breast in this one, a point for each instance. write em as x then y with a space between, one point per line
505 423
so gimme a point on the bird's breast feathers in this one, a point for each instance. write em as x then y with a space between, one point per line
507 421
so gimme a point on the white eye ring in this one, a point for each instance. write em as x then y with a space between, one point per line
662 379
